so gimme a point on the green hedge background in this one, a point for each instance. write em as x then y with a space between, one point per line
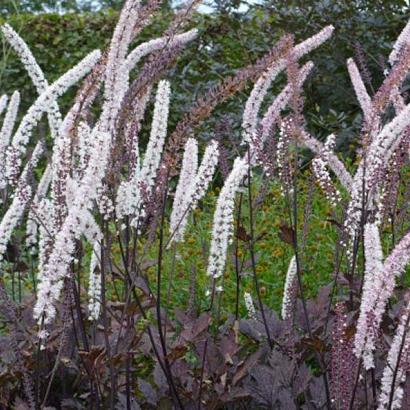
228 40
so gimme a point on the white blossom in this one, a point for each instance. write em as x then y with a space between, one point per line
254 102
289 291
396 359
250 307
21 198
38 207
184 188
402 41
3 103
365 337
223 218
195 190
5 134
153 153
273 112
150 46
74 225
35 73
360 90
319 166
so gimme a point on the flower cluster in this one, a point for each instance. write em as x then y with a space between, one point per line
192 185
394 373
250 307
5 134
223 218
290 290
319 166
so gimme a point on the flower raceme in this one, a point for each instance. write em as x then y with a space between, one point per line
192 185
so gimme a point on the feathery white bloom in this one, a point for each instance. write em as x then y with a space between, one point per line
364 338
313 42
21 198
402 41
41 105
50 95
150 46
38 207
184 188
398 354
156 141
197 189
223 218
289 292
254 102
26 57
74 225
116 74
44 219
319 166
83 145
280 102
379 152
382 289
104 202
334 162
386 141
128 192
152 158
93 234
250 307
205 173
3 103
34 72
360 90
94 285
5 134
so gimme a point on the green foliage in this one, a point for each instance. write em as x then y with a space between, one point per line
10 7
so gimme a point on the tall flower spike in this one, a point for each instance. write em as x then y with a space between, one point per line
290 290
184 187
383 288
3 103
281 101
154 149
254 102
94 236
343 361
150 46
35 73
401 42
364 338
116 80
223 218
42 104
94 283
21 198
360 90
32 219
205 173
397 360
319 166
385 143
50 95
334 162
158 133
74 225
250 307
197 190
5 134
